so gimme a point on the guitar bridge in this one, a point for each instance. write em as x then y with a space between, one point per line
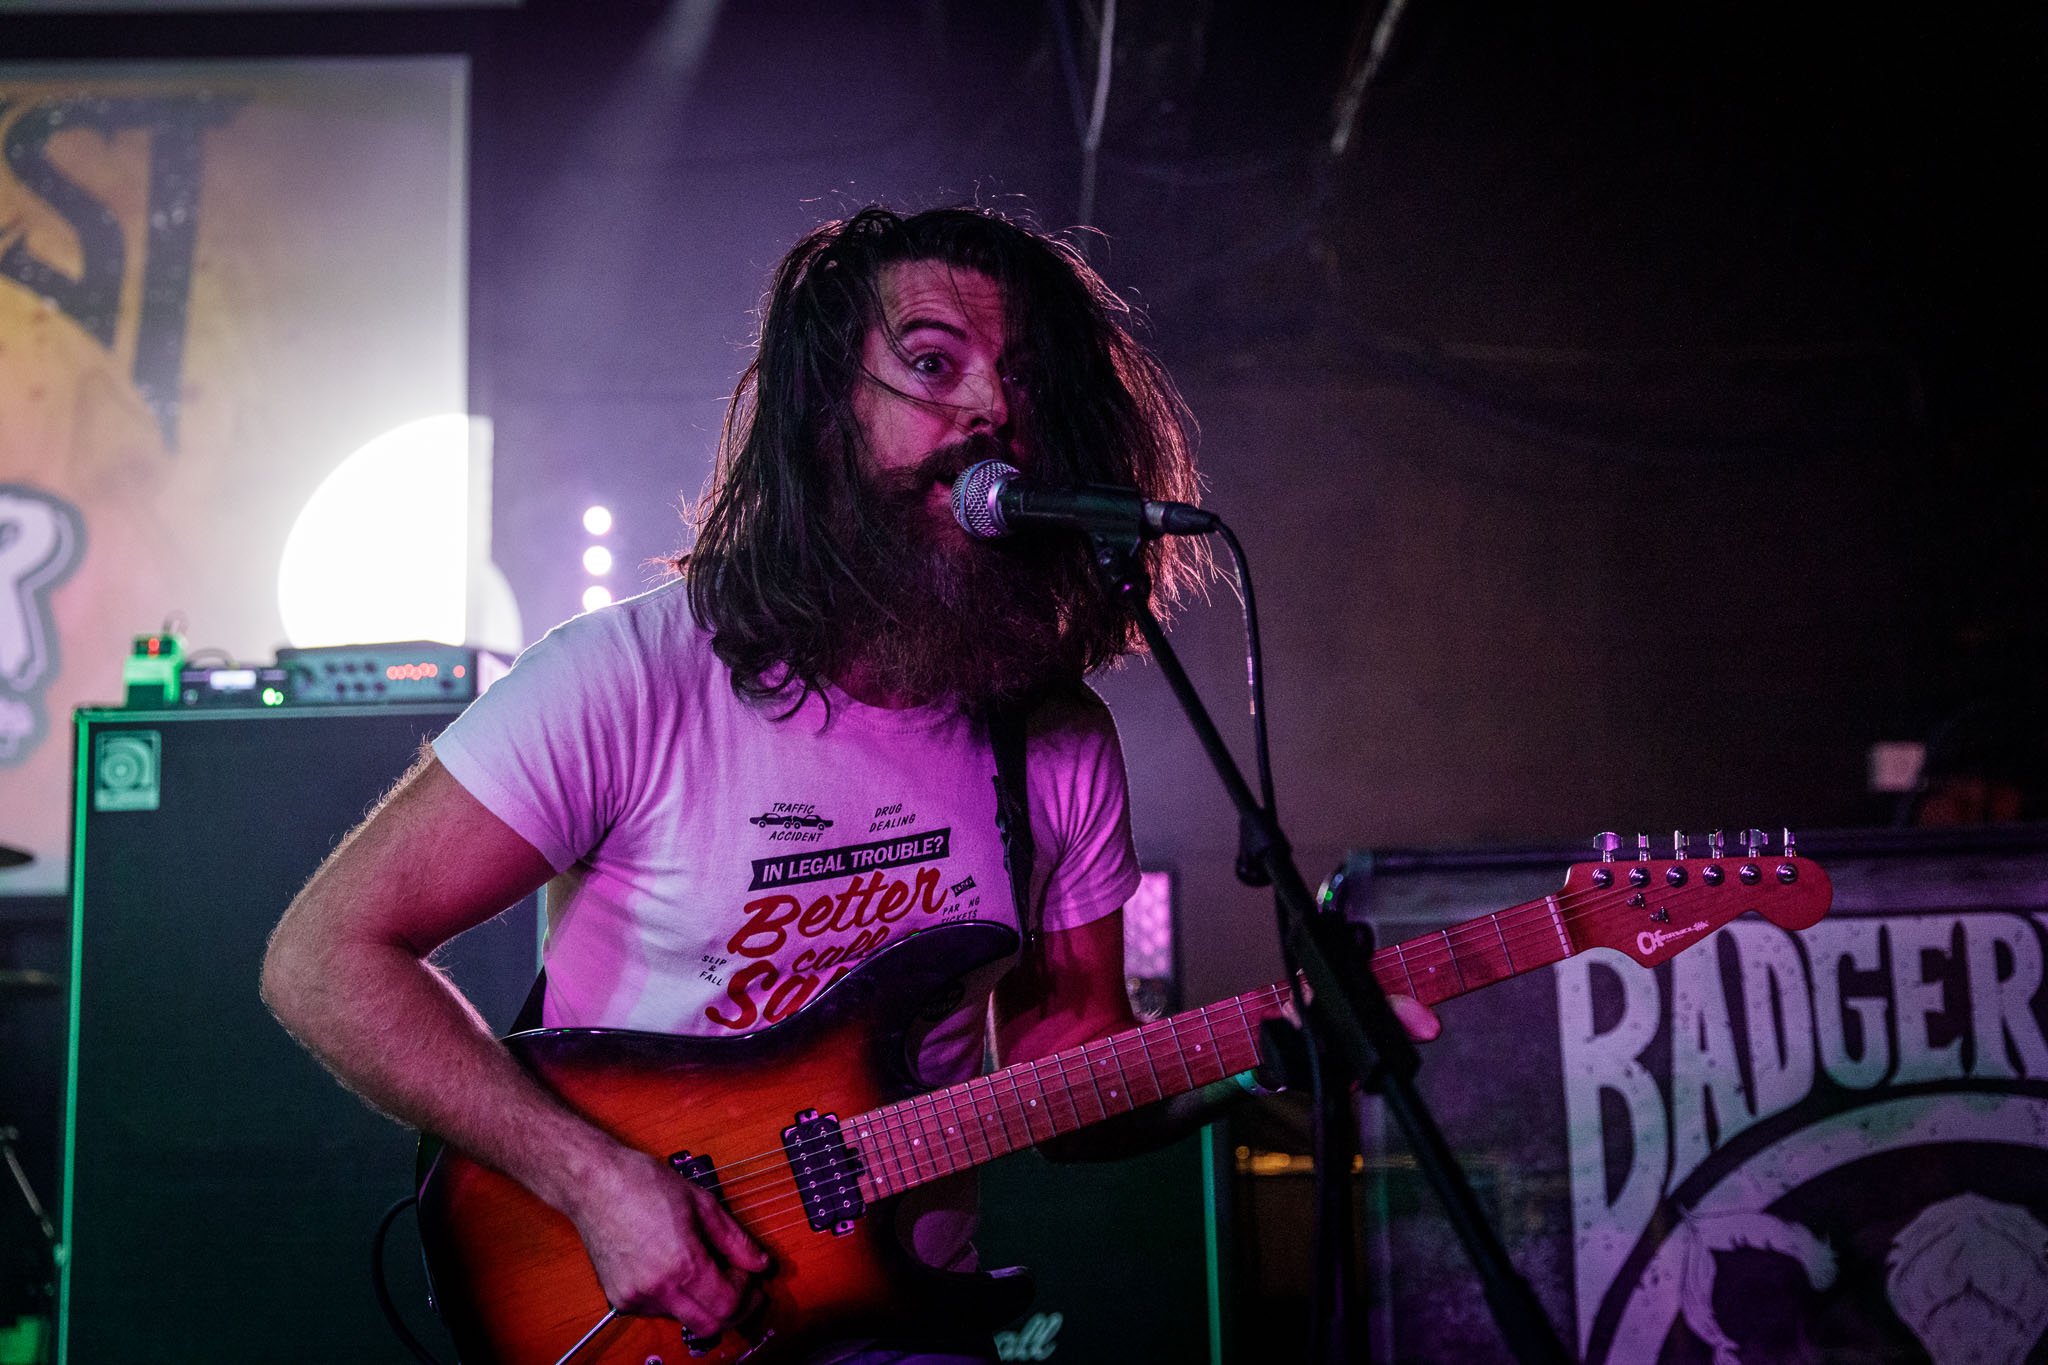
827 1172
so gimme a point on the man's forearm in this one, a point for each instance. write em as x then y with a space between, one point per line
397 1033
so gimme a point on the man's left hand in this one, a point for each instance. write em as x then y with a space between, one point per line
1419 1019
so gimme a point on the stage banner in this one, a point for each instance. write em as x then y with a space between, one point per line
217 280
1777 1146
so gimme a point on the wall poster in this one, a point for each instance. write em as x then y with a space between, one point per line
217 279
1823 1145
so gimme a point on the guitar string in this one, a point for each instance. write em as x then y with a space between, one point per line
1584 906
736 1177
1573 907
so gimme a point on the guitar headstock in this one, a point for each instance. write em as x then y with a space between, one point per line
1655 908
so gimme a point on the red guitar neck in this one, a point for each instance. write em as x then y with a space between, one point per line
927 1136
962 1126
1649 910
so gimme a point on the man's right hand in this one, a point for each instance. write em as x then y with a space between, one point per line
663 1245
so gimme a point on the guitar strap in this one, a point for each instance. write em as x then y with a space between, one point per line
1013 822
529 1012
1013 816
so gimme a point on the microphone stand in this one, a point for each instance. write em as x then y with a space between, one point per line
1348 1015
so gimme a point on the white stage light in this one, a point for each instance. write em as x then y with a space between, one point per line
597 520
597 561
395 545
595 596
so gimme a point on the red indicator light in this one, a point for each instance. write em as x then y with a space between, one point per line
155 645
411 672
461 671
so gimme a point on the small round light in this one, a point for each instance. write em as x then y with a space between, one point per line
595 596
597 520
597 560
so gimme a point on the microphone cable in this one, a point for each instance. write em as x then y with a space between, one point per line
1330 1305
383 1290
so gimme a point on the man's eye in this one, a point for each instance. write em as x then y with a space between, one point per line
930 363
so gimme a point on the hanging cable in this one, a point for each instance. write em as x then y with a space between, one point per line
383 1291
1091 140
1345 122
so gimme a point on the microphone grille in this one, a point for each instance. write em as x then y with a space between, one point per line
974 499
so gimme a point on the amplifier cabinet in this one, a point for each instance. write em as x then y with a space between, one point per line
220 1190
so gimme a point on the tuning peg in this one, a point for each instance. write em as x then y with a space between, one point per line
1678 844
1754 842
1642 848
1717 845
1607 841
1791 845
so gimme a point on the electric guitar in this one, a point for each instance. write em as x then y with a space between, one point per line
807 1129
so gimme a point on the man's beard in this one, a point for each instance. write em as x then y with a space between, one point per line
976 621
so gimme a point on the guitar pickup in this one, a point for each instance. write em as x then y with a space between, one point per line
698 1170
827 1172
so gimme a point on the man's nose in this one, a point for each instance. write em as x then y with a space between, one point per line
988 404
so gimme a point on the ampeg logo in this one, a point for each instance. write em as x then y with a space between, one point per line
126 770
40 545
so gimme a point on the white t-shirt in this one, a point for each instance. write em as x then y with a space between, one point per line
719 867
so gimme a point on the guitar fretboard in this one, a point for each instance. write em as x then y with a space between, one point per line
958 1127
905 1144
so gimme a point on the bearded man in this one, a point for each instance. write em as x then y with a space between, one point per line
820 676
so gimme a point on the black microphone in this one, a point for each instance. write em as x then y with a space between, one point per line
992 500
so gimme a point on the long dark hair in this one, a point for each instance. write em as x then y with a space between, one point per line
771 572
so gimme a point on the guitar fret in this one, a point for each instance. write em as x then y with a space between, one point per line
943 1134
921 1141
1122 1094
1505 954
1037 1105
1244 1021
1023 1115
980 1095
1564 940
1003 1108
946 1108
870 1181
1088 1085
1151 1072
885 1153
1452 949
1401 956
1215 1048
899 1150
1072 1092
1180 1053
959 1134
